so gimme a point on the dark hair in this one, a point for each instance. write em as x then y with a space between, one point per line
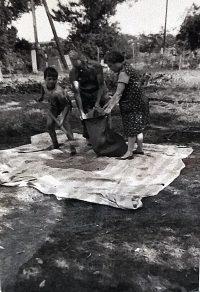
114 57
50 71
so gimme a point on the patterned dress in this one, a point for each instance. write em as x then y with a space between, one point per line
134 109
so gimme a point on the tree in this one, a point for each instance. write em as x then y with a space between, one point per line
90 27
151 42
13 9
22 46
154 42
7 41
10 10
189 33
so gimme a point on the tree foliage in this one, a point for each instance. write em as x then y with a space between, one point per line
22 46
7 41
13 9
90 27
10 10
150 43
86 15
154 42
189 33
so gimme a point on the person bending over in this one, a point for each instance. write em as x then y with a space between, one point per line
90 91
59 104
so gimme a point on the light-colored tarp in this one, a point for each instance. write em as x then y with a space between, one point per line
101 180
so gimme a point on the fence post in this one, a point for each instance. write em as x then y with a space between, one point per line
34 61
180 61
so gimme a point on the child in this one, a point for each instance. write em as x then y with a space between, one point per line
59 104
134 110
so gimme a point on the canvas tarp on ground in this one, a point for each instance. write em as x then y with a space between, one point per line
86 177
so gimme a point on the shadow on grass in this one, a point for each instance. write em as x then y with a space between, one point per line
98 248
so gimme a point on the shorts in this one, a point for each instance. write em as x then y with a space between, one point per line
56 110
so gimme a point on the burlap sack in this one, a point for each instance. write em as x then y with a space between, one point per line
104 141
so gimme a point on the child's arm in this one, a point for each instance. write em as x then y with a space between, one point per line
42 93
65 104
64 113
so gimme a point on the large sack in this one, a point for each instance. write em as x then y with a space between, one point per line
104 141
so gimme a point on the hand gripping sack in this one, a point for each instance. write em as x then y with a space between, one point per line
104 141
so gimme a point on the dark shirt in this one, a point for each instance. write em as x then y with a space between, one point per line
89 78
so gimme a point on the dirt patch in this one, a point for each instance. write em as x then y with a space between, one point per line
83 163
70 245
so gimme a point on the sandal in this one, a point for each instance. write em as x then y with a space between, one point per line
126 157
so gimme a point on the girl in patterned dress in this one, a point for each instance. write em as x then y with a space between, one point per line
131 102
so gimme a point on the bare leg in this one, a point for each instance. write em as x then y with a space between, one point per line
131 143
70 136
52 132
139 142
67 126
129 152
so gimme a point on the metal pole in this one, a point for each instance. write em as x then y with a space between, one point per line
55 34
164 38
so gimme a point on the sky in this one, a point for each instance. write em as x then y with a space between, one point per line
144 16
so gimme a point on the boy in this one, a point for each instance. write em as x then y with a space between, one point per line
59 104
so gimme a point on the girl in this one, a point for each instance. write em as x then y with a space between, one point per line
131 101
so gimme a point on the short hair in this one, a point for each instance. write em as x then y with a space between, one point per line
114 57
50 72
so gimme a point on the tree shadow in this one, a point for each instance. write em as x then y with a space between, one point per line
99 248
